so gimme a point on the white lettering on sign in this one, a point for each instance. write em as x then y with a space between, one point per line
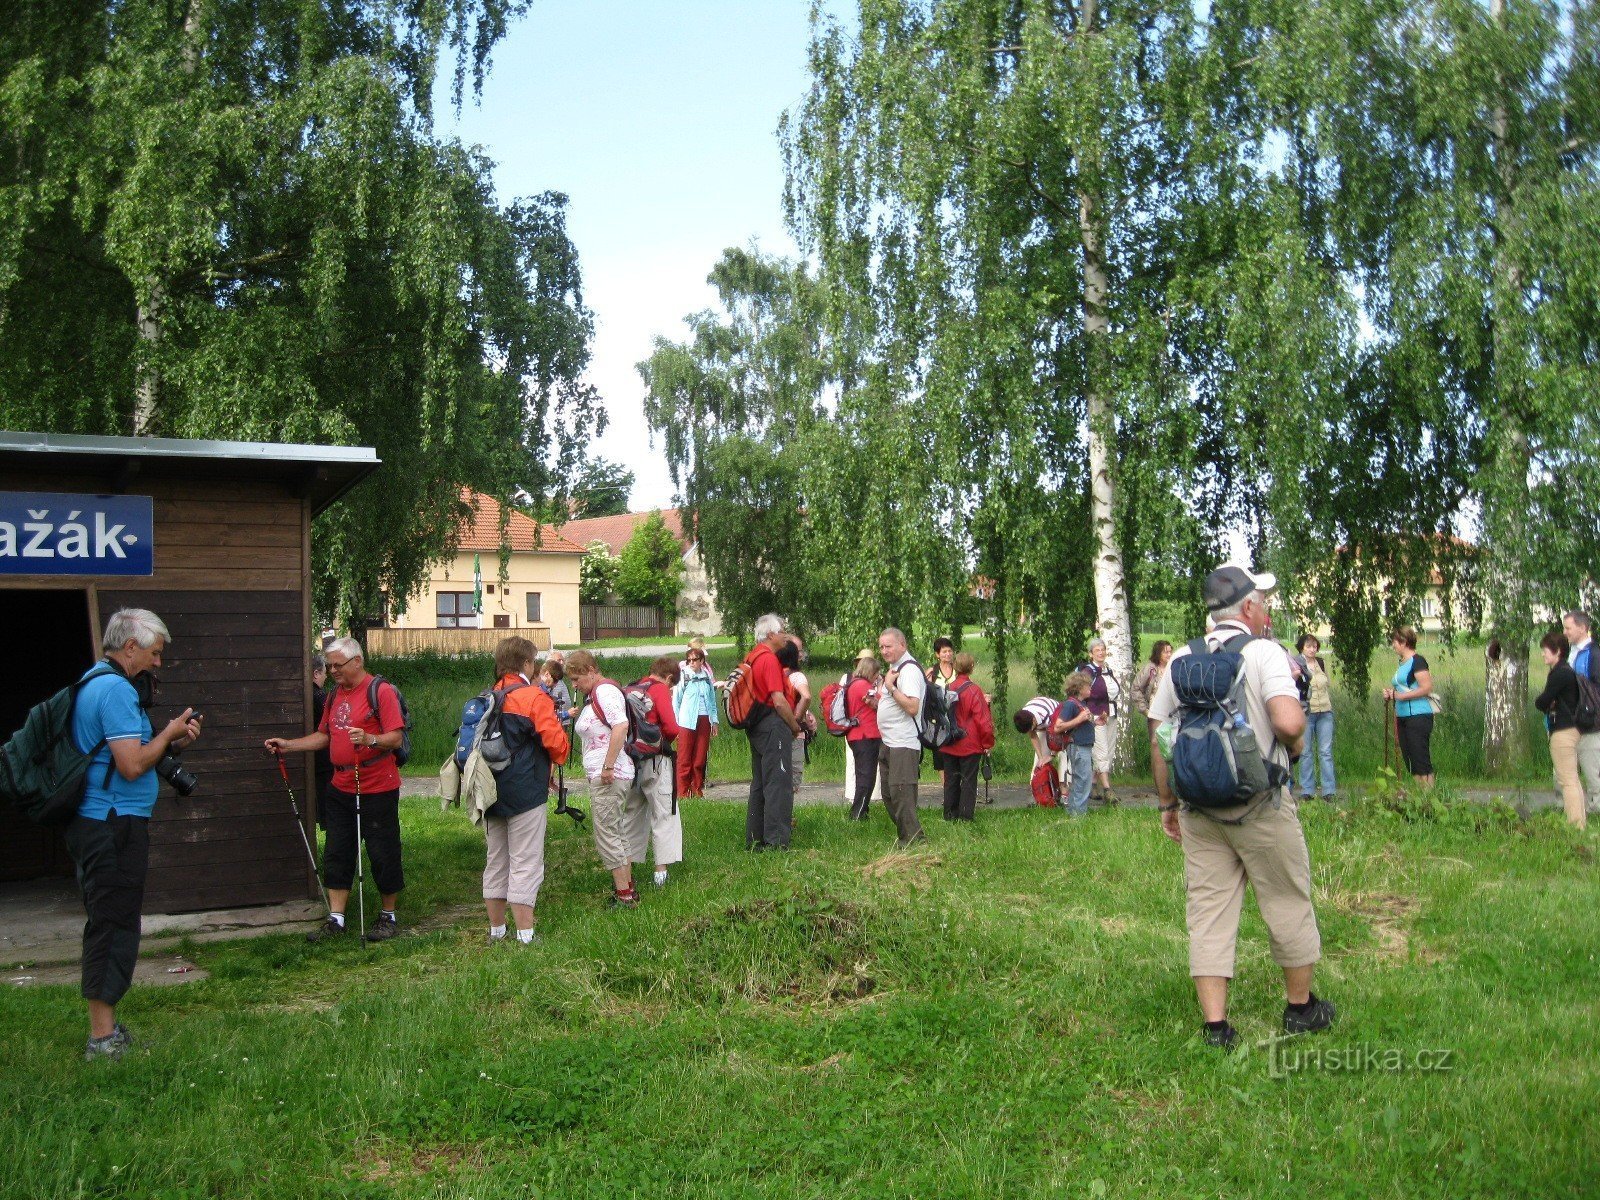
74 541
8 540
106 540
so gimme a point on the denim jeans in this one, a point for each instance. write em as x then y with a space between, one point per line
1081 760
1319 730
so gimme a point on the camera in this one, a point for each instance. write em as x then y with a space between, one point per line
183 780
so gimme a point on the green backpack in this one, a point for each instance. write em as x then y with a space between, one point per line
41 768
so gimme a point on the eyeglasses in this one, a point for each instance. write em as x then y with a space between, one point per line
334 666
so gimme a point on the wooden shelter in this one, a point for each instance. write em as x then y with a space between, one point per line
215 538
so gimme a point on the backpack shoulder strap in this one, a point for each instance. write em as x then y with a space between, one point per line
1238 642
1199 646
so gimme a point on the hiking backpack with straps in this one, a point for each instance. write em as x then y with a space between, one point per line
1586 713
739 701
1216 759
644 728
833 708
938 727
402 753
482 728
42 771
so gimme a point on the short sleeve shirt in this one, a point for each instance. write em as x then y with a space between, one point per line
347 710
1082 735
594 731
1405 679
898 727
766 675
108 710
1267 677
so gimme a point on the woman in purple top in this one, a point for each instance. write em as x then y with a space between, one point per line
1105 694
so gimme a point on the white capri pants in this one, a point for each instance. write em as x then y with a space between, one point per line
514 868
647 815
1105 746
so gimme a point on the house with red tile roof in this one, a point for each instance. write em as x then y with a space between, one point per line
697 602
538 598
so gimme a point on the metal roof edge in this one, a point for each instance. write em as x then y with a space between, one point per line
142 447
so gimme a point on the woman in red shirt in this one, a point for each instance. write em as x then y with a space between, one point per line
963 756
864 741
650 813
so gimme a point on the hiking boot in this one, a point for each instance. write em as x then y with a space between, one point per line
384 928
329 928
1111 798
120 1032
1223 1039
111 1046
1317 1017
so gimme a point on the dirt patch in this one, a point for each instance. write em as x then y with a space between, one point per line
384 1162
811 948
1388 914
914 868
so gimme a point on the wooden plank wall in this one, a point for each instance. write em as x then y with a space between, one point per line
230 576
400 643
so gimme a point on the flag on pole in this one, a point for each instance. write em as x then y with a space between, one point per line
477 585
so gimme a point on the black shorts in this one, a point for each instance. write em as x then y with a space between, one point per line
1415 733
380 830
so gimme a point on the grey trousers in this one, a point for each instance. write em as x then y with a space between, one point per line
113 858
769 815
897 769
1589 764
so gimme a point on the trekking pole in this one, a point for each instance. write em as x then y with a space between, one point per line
300 824
1390 734
577 814
361 882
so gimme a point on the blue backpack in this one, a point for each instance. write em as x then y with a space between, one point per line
480 727
1216 760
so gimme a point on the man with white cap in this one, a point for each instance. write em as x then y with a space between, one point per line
1260 841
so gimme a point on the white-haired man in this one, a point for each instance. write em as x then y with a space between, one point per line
1259 842
360 738
109 838
769 813
899 708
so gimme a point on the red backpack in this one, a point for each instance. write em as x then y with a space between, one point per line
833 708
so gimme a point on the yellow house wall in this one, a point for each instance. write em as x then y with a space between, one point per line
553 576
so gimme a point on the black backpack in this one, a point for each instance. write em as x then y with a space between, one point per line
1586 713
402 754
42 771
938 728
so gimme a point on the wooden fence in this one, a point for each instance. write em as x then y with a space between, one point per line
401 643
621 621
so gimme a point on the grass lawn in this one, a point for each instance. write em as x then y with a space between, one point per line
1006 1014
436 688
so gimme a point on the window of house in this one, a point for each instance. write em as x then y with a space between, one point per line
534 608
456 612
1430 607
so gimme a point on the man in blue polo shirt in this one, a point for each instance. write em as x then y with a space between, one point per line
110 837
1578 626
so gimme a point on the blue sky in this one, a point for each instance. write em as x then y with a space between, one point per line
658 119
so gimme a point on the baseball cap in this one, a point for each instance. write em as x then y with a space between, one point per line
1228 585
866 654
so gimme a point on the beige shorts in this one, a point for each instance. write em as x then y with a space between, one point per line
515 856
1269 852
1105 747
606 803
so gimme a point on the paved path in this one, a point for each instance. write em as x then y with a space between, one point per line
644 651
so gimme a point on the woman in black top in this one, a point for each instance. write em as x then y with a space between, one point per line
1559 704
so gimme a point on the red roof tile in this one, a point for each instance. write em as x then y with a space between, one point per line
483 531
615 531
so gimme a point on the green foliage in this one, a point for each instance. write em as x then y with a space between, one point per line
597 573
237 214
650 568
601 489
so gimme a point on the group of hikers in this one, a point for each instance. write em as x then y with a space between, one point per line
1228 715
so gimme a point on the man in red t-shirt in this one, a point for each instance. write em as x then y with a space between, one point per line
769 815
355 736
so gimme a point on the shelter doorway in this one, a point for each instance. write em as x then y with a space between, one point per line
50 642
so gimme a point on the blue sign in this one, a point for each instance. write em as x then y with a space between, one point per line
51 533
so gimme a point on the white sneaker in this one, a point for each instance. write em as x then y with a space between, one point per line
661 879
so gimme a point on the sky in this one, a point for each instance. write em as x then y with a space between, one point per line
658 119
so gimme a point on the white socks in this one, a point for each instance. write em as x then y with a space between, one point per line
661 879
496 932
338 918
525 936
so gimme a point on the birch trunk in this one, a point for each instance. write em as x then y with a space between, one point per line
147 386
1506 502
1110 580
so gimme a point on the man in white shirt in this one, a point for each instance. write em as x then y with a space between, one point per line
1579 628
899 709
1259 842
